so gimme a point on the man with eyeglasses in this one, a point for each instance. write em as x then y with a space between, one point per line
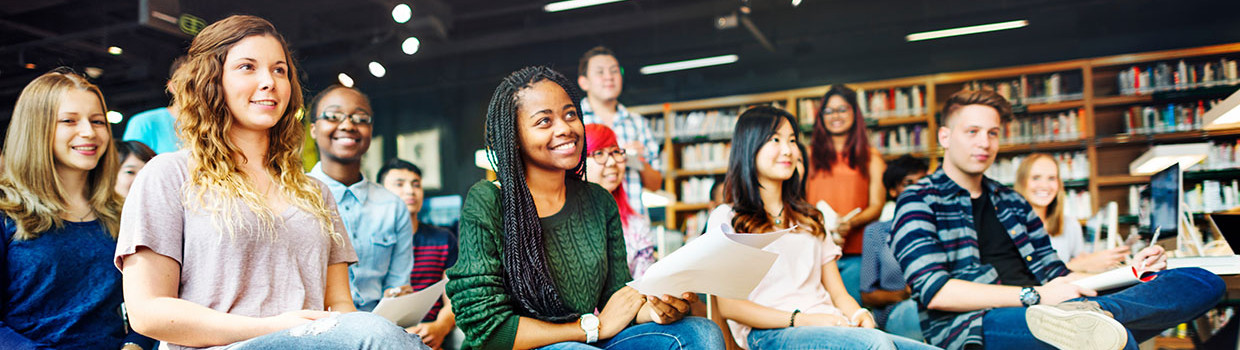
600 76
376 220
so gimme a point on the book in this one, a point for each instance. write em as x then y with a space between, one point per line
1121 277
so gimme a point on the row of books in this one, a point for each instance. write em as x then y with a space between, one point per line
1224 154
696 190
1171 117
715 123
658 129
1072 166
902 139
1062 126
892 102
1079 203
1212 195
1163 76
695 224
1026 89
705 156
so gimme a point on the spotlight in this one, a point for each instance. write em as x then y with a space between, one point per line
30 66
115 117
93 72
402 13
377 69
115 50
345 80
411 45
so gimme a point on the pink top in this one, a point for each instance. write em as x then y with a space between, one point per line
794 281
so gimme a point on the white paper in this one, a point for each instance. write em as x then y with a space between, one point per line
408 310
1121 277
722 263
1219 265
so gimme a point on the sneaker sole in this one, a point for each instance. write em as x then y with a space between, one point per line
1075 330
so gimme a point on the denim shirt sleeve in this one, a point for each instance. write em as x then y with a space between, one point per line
402 251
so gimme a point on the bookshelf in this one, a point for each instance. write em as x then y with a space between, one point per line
1101 113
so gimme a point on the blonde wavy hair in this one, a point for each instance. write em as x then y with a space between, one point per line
30 191
204 121
1054 210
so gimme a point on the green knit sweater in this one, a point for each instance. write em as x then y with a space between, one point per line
585 250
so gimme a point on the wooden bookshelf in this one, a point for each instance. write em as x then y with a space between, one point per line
1099 105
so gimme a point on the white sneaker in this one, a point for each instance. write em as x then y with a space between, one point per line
1076 326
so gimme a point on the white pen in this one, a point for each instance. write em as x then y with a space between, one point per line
1153 241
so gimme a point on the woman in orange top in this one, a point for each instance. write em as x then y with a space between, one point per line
842 165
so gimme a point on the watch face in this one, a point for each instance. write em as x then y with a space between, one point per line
589 322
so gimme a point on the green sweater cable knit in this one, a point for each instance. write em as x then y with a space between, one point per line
585 249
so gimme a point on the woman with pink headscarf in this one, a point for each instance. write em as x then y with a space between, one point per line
605 165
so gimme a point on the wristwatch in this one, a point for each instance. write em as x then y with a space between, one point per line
589 323
1029 296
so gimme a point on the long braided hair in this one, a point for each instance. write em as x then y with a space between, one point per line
525 257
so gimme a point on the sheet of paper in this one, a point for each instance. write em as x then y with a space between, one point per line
408 310
729 265
1121 277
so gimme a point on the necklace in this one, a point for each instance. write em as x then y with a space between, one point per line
83 217
779 217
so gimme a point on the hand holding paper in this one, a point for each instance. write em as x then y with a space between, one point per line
719 262
408 310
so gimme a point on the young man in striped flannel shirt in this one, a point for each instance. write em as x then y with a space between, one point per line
982 269
599 74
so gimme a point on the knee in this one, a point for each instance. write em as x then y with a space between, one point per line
702 332
1211 286
370 326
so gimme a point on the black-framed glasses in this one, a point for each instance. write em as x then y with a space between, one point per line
830 111
600 156
359 118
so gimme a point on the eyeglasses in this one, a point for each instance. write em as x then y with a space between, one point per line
359 118
600 156
830 111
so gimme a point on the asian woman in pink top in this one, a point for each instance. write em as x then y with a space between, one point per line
801 303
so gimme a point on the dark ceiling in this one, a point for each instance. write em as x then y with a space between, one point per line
474 42
469 45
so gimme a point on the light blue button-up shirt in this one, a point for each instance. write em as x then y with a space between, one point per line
382 234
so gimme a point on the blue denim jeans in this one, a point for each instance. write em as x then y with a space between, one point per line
850 272
842 338
904 321
1174 297
688 333
355 330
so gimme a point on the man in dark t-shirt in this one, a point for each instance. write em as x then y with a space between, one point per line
982 269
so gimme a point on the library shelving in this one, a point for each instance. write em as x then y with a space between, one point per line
1106 111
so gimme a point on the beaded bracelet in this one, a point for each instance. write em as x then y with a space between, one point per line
792 321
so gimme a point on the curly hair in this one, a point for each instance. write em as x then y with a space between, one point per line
204 121
29 191
525 256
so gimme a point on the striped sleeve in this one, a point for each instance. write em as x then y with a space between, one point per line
916 246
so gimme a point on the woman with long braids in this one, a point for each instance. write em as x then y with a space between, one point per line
801 303
541 250
227 242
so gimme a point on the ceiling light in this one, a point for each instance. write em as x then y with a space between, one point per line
936 34
1225 114
411 45
115 117
574 4
30 66
402 13
376 69
689 64
1162 156
345 80
93 72
115 50
796 3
